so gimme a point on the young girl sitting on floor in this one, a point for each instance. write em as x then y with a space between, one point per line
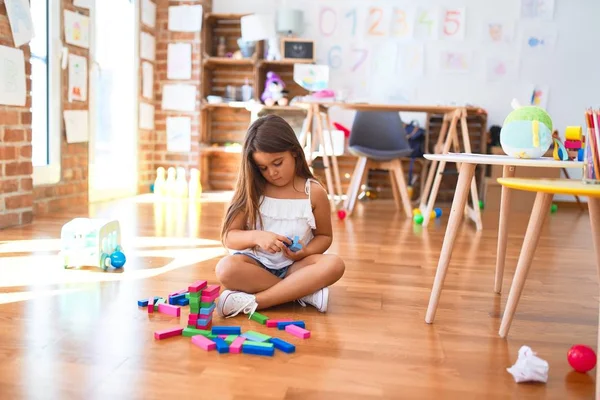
276 198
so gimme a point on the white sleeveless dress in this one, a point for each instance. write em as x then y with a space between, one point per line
286 217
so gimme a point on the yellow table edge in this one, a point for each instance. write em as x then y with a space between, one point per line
555 186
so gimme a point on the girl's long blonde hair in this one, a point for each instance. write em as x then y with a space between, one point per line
269 134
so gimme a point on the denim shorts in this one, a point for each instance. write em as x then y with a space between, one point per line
280 273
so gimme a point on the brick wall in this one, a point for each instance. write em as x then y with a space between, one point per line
161 157
16 195
72 189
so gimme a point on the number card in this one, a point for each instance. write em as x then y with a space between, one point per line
453 24
426 23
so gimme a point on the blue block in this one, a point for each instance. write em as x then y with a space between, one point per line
208 310
222 346
295 246
183 302
144 303
283 345
261 351
226 330
281 325
175 299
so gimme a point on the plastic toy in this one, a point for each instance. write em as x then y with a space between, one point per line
582 358
418 219
274 90
281 326
297 331
222 346
553 208
226 330
262 349
204 343
258 317
236 345
526 132
91 242
255 336
167 333
416 211
481 204
295 246
283 345
273 323
438 212
341 214
573 147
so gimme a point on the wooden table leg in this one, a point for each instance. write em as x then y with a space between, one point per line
461 194
594 207
541 209
508 171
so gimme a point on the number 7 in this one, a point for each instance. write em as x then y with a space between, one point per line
363 53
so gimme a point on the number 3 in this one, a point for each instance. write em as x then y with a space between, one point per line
452 22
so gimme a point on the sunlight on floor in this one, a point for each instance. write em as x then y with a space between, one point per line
46 267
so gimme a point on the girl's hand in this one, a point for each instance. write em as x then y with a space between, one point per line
295 256
271 242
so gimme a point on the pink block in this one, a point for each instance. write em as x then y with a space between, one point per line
193 317
150 305
236 345
197 286
169 309
297 331
209 298
573 144
211 289
222 336
204 343
167 333
182 291
204 316
272 323
207 326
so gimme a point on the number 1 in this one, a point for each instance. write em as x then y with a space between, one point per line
352 13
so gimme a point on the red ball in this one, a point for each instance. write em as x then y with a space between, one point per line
582 358
341 214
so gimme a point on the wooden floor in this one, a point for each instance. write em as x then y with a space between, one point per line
79 334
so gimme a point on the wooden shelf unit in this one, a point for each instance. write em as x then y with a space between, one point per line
227 122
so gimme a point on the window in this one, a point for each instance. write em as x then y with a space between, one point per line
45 91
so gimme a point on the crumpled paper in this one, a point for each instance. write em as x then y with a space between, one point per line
529 367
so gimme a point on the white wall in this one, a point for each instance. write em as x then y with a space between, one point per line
571 70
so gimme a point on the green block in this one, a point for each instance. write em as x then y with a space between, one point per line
258 317
206 305
191 326
195 295
187 296
211 336
194 300
189 332
259 335
230 338
257 344
160 301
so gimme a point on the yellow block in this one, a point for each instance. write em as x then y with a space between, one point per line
573 133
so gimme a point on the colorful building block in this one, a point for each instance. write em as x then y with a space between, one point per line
230 338
226 330
177 293
262 349
258 317
236 345
187 295
222 336
283 345
211 289
297 331
222 346
197 286
204 321
151 305
175 299
193 317
272 323
167 333
159 302
209 298
183 302
144 302
204 343
255 336
168 309
208 310
190 332
204 304
281 325
203 325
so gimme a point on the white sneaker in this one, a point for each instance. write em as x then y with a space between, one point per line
232 303
318 299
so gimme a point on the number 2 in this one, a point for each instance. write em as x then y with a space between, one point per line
377 13
452 22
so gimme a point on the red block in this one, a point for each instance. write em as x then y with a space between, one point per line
204 343
205 327
169 310
211 289
272 323
197 286
167 333
209 298
573 144
193 317
150 305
